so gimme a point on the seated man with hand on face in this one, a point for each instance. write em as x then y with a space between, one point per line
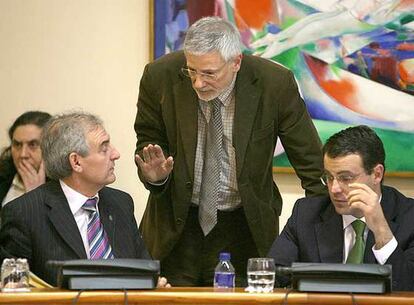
21 164
75 215
362 221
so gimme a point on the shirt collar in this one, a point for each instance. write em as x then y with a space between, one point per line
75 199
18 184
349 219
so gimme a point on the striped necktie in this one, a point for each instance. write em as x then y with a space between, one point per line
356 255
99 246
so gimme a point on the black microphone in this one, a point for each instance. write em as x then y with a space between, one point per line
283 270
55 263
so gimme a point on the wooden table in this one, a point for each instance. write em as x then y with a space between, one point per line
201 296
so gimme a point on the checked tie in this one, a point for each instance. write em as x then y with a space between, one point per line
99 247
210 186
356 255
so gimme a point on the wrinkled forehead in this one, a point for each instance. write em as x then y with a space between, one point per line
97 135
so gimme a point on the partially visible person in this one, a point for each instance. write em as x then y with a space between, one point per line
362 220
74 215
21 165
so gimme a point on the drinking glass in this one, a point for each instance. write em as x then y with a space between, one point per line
15 275
260 274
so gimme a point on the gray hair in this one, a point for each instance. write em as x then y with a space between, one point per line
63 135
211 34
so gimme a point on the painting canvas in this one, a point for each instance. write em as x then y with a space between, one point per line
353 59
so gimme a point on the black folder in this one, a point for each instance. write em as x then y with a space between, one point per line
108 274
356 278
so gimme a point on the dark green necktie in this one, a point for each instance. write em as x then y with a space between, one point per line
356 255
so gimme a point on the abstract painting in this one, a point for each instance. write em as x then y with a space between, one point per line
353 59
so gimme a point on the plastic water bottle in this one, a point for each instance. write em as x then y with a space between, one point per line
224 275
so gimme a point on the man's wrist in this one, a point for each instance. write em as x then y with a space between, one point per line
160 182
382 238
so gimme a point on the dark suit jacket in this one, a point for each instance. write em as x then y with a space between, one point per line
7 173
268 106
5 183
40 227
314 233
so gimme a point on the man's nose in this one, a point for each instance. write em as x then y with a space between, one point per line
336 187
198 81
115 154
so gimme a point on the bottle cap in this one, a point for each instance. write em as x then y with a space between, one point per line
225 256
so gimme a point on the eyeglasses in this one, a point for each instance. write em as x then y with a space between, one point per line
207 76
344 179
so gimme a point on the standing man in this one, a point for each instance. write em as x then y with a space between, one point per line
362 221
75 215
21 164
207 123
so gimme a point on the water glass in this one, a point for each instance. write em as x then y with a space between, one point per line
260 275
15 275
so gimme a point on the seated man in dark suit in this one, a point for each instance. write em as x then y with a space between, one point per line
329 229
75 215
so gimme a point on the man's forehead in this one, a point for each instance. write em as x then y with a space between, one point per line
207 60
98 135
347 163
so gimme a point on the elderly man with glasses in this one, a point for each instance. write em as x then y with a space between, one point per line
207 124
361 221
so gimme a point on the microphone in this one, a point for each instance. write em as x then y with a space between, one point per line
283 270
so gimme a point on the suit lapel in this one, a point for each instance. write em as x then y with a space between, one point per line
247 100
187 117
62 218
330 236
108 218
369 257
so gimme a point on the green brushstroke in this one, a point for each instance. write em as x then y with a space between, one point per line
399 146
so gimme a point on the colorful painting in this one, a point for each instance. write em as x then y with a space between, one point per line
353 59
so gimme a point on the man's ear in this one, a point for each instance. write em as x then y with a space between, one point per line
74 160
378 173
237 63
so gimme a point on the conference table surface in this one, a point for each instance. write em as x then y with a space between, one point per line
182 295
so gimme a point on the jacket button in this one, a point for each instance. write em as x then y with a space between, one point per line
188 185
179 221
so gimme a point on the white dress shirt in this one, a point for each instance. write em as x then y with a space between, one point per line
16 190
381 255
76 201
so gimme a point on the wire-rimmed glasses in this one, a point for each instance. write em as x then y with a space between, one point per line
206 76
342 179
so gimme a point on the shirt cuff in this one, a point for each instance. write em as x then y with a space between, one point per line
159 183
385 252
